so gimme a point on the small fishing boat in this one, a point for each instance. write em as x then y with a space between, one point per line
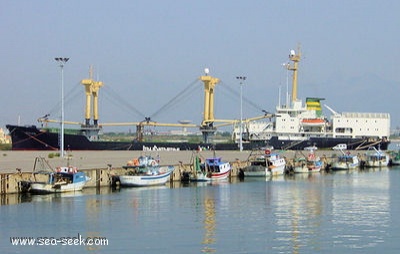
256 168
395 157
263 162
300 165
376 158
344 161
63 179
276 165
257 163
212 169
145 171
309 165
66 179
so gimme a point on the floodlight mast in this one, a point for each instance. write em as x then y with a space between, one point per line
241 81
62 61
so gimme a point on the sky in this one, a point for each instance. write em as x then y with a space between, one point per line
149 52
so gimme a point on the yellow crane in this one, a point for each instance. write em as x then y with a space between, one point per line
207 127
92 88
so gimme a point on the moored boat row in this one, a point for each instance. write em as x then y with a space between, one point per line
259 161
146 170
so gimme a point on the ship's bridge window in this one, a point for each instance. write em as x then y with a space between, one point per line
344 130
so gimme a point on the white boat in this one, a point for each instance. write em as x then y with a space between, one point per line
300 165
145 171
63 179
213 169
376 158
314 165
263 163
344 161
276 165
309 165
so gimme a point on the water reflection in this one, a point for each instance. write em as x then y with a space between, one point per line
298 214
302 213
361 204
209 225
12 199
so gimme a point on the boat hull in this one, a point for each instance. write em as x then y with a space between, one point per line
33 138
254 171
299 169
376 164
144 180
45 188
202 177
276 171
336 166
376 158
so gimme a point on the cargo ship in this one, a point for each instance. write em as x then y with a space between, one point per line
88 135
293 126
296 126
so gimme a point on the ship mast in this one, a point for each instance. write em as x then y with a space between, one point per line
207 125
92 88
295 58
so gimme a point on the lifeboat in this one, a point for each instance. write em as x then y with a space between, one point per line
313 121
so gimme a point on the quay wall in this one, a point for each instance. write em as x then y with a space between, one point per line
103 166
99 177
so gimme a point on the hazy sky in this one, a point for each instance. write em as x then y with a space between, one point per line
148 52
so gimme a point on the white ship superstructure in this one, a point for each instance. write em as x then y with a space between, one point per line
360 125
296 126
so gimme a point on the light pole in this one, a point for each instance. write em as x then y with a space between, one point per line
241 80
62 61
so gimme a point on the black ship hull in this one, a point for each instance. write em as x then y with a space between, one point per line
33 138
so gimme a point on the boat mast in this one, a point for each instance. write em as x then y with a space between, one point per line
92 88
295 58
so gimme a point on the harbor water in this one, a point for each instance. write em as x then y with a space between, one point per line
342 212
